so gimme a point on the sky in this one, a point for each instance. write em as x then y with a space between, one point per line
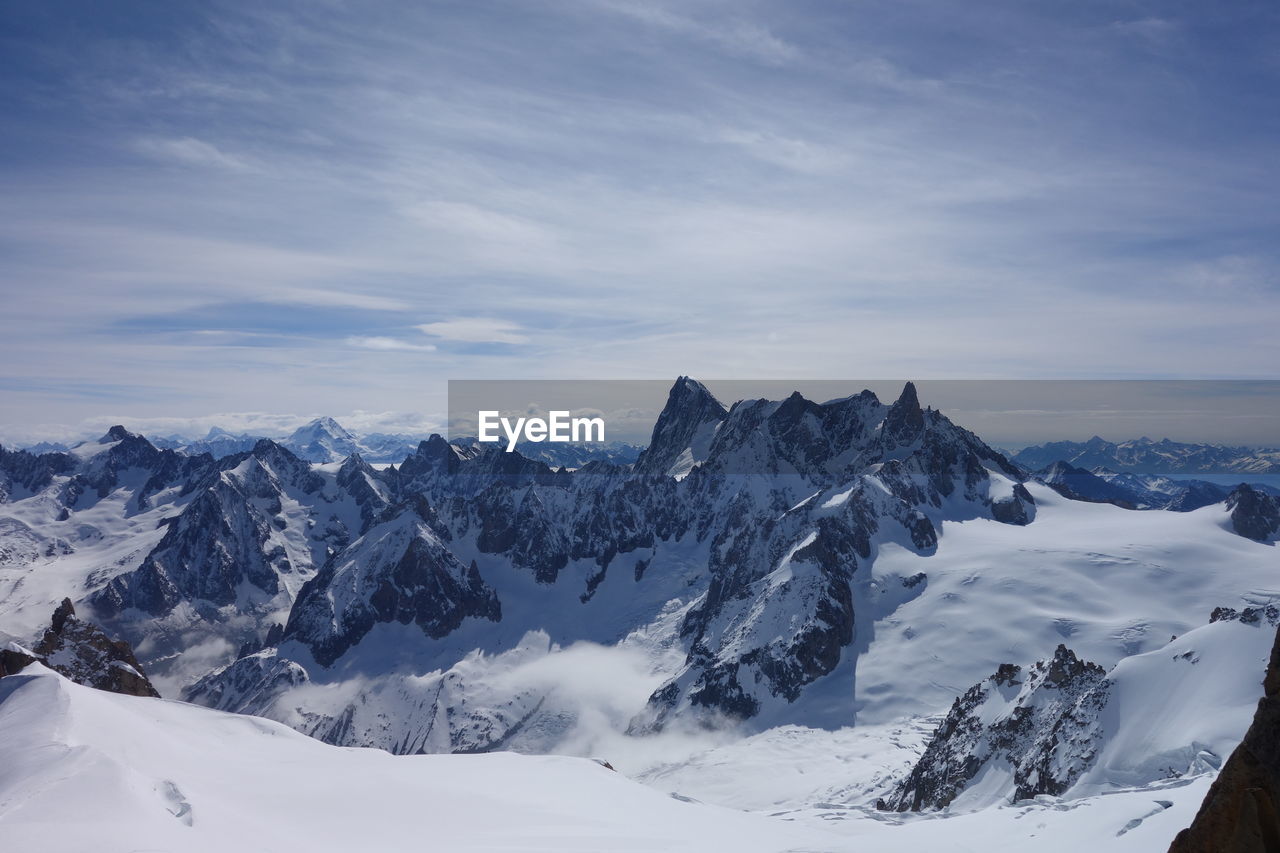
248 213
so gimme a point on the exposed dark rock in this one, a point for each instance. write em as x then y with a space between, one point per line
14 659
1043 725
399 571
1254 515
690 408
83 653
1017 509
905 420
1248 615
1241 812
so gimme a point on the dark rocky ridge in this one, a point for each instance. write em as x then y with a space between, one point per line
1044 726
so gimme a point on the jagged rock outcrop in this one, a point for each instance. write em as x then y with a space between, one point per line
1018 508
1041 727
14 658
25 473
237 541
684 430
218 543
400 571
84 653
1254 515
803 490
1268 613
1241 812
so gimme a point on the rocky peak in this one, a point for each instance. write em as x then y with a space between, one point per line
116 433
84 653
353 465
1065 669
1254 515
688 419
905 420
64 611
1043 726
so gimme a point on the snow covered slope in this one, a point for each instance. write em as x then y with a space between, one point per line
85 770
82 769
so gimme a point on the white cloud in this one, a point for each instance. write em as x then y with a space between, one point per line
388 344
1157 31
733 35
190 152
480 330
337 299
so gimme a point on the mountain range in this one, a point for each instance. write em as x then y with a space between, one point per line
324 440
1145 456
853 566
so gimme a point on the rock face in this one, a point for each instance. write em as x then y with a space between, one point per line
804 492
1254 515
250 533
399 571
85 654
1041 726
683 431
1241 812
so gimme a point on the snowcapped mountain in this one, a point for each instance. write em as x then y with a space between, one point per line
1145 456
1067 727
322 440
770 563
217 443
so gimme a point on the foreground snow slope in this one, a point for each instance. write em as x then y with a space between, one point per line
82 769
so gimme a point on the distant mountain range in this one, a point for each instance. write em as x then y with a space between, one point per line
1145 456
324 440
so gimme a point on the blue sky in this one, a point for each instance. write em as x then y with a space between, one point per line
225 208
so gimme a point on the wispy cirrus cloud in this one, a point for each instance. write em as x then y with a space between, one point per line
479 330
312 196
383 344
190 152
